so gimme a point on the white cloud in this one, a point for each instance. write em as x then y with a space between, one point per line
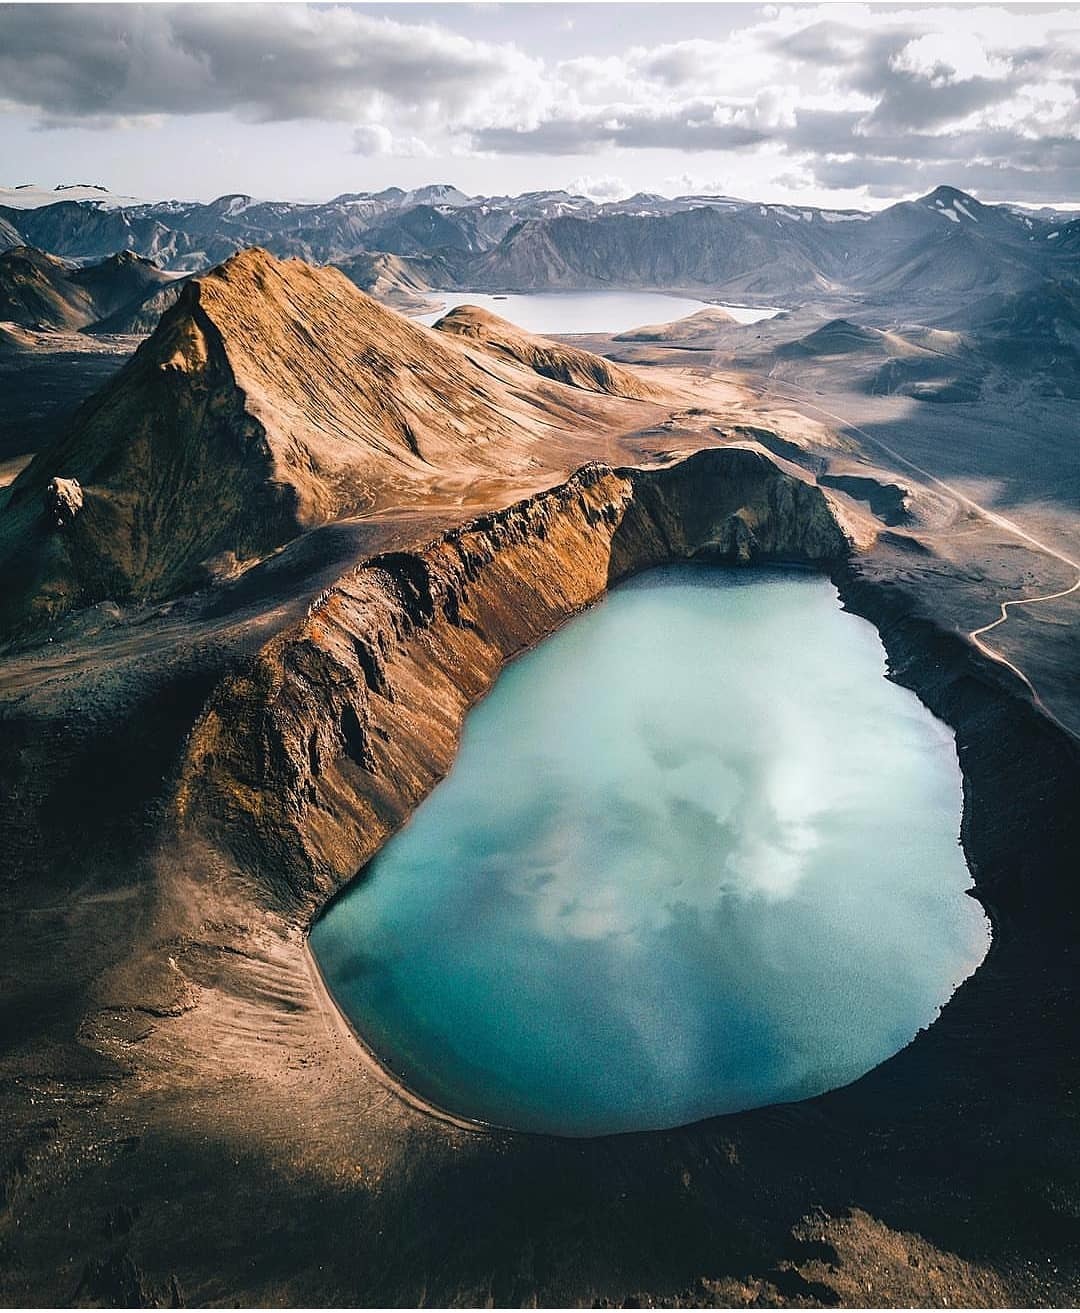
372 139
604 187
375 139
942 57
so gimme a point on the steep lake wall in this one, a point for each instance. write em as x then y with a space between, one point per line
302 766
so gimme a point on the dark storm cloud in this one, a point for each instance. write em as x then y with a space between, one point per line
692 127
923 99
315 64
998 164
868 63
913 102
94 61
844 132
890 147
102 62
1004 181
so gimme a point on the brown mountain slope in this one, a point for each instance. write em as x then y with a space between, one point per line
140 316
395 280
687 329
567 364
36 291
13 337
272 397
39 291
122 280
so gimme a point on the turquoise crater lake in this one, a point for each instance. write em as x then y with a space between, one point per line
696 855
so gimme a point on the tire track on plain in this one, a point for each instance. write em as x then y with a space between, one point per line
1001 521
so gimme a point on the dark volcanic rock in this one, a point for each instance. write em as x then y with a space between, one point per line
888 501
141 315
38 290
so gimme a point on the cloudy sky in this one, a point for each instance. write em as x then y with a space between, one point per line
826 104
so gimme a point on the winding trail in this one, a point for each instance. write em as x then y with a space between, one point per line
975 636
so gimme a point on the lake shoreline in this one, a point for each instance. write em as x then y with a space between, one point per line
588 311
420 879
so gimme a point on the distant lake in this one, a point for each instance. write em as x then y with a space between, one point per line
696 855
586 312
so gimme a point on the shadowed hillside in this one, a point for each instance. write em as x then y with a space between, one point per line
140 316
837 338
38 290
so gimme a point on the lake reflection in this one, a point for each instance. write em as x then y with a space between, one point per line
696 855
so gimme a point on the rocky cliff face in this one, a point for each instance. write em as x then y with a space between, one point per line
301 767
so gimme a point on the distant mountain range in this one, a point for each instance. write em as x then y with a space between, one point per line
87 223
946 259
944 243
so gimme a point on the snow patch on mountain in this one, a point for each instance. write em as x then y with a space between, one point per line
29 196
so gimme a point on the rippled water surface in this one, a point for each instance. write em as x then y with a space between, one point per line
696 855
585 312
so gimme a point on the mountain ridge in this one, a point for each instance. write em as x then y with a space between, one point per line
42 291
273 397
556 239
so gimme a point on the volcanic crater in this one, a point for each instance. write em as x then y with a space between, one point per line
311 535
